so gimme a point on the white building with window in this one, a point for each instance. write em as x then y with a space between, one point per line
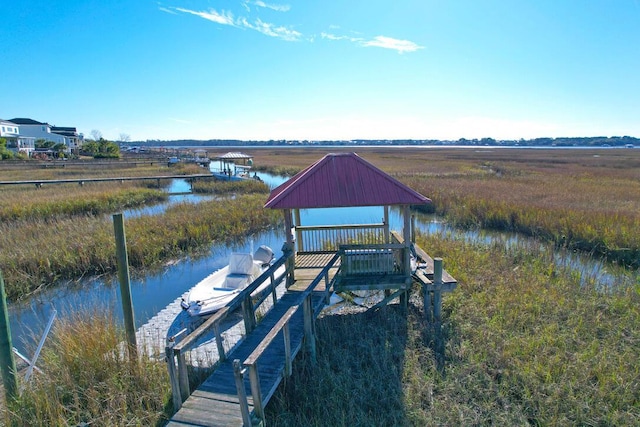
74 139
36 130
10 131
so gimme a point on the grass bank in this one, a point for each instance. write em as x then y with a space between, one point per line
72 200
85 382
213 186
594 214
36 253
525 344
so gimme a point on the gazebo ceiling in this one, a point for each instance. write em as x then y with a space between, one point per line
342 180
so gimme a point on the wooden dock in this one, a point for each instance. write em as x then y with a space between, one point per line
216 402
268 350
248 375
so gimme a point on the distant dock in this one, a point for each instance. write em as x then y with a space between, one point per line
81 181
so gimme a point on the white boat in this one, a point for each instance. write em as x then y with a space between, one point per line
221 287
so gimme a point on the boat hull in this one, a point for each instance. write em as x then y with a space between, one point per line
211 294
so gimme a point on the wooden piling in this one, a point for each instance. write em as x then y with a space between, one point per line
309 328
125 284
413 228
437 292
173 378
248 314
387 236
7 361
242 394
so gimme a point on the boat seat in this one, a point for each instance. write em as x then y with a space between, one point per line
241 269
237 281
240 264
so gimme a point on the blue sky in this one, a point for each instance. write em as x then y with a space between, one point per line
421 69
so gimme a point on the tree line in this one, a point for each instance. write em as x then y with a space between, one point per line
597 141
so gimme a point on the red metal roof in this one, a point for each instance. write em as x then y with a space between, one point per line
342 180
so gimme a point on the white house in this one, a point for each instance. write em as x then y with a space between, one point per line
74 139
15 141
37 130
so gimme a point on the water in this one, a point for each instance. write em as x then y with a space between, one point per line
272 180
155 290
178 190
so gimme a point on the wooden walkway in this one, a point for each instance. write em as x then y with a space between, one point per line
215 402
40 182
269 349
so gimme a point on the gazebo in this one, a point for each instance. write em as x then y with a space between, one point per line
371 257
233 166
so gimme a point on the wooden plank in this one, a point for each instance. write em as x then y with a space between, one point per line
372 282
271 335
198 412
422 277
313 259
214 397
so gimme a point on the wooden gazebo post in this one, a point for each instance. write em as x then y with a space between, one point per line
406 234
299 243
387 236
289 247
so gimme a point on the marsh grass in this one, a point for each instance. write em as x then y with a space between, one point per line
67 200
587 200
249 186
525 344
85 380
589 214
88 169
37 253
278 170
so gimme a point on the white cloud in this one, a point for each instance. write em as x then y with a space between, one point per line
223 18
164 9
390 43
276 7
181 121
226 18
272 30
380 41
288 34
330 36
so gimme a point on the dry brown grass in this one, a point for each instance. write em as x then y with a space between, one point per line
584 199
526 343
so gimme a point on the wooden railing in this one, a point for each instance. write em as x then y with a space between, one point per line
328 238
250 364
368 259
178 375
